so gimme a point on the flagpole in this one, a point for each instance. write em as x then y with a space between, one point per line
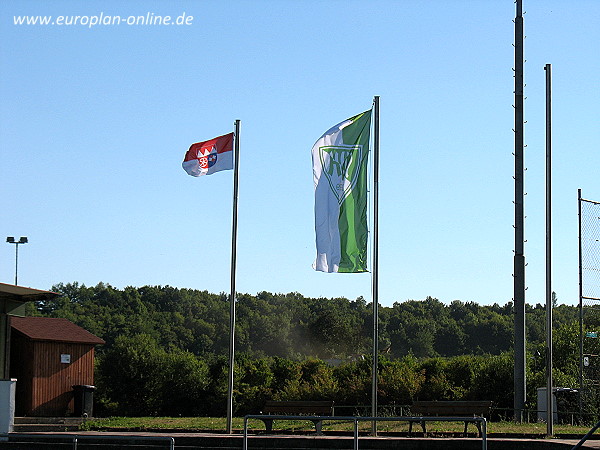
375 277
549 381
233 263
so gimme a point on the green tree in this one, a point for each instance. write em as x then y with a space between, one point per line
354 378
130 376
136 377
494 380
401 381
316 382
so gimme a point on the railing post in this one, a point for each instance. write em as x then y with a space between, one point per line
484 434
245 441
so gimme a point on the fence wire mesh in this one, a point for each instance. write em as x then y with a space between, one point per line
590 251
589 234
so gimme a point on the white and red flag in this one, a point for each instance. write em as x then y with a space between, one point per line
208 157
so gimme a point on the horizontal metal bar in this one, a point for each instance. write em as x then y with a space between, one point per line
76 438
357 419
590 201
365 418
298 417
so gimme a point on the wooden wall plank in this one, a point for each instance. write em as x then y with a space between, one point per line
52 381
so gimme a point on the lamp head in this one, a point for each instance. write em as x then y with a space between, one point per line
10 239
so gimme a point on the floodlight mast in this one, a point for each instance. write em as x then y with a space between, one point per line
22 240
520 382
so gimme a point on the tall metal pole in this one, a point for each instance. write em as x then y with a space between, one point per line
581 387
11 240
233 263
519 256
16 262
375 263
549 384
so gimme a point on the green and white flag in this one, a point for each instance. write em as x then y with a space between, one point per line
340 175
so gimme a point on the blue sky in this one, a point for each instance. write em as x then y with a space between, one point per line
95 121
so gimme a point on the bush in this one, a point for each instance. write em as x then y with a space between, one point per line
138 378
400 381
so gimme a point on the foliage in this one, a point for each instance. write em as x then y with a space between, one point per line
166 349
293 326
401 381
138 378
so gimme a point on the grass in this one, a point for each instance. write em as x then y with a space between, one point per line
217 424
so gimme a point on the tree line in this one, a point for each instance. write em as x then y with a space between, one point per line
166 349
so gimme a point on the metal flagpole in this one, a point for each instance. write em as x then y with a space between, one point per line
233 262
549 387
375 263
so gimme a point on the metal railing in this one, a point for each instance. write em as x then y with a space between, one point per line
586 437
356 420
75 438
117 437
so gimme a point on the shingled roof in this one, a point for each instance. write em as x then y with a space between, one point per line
53 329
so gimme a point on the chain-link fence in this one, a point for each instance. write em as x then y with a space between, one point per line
589 270
590 250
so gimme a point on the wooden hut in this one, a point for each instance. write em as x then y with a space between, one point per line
12 303
49 356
